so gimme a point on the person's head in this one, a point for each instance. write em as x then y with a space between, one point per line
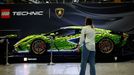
88 21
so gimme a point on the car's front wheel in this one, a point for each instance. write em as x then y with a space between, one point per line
38 46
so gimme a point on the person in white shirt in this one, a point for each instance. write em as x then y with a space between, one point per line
87 41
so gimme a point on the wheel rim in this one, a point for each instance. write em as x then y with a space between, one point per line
38 47
106 46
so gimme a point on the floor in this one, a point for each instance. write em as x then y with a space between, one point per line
119 68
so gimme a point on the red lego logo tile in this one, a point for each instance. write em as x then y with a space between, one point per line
5 13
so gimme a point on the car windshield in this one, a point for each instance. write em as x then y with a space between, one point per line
65 32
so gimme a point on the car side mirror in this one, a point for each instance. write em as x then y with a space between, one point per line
52 35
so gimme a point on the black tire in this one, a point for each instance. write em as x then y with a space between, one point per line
105 50
38 47
130 43
105 47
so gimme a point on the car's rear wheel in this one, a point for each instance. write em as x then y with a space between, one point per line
106 46
130 43
38 47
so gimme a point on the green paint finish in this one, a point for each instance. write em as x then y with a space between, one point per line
62 41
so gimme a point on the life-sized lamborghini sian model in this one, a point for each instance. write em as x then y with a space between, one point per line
67 38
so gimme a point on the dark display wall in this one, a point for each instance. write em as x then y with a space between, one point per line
36 19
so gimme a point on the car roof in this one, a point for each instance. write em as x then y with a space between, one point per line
72 27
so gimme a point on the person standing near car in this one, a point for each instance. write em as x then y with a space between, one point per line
87 41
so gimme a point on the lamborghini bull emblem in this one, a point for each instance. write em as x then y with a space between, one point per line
59 12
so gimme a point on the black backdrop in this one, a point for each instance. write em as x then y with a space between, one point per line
117 17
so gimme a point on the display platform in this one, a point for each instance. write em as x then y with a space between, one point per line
45 58
63 57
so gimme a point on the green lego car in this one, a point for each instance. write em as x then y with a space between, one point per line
67 38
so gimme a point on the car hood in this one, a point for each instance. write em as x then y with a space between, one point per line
27 39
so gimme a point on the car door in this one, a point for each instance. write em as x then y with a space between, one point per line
62 38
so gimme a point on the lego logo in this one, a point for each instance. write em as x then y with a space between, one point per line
5 13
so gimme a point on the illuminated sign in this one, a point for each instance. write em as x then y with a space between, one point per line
7 13
26 13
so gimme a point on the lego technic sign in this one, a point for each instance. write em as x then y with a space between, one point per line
26 13
6 13
10 11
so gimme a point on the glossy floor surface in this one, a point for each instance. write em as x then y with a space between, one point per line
120 68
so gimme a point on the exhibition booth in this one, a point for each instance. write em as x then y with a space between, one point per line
50 32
